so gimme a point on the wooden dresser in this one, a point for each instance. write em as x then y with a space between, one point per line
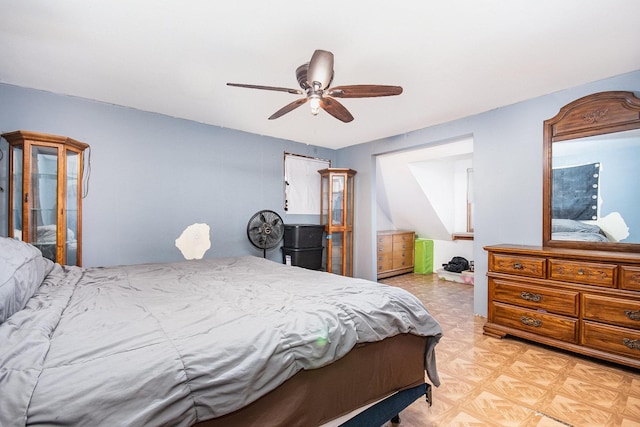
583 301
395 252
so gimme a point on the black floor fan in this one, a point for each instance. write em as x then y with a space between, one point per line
265 230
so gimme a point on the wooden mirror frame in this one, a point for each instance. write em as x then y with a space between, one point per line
596 114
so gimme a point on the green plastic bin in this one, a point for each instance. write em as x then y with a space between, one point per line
423 261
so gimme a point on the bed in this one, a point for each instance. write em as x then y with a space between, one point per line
214 342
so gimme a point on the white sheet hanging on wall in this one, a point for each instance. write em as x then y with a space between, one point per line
194 241
302 184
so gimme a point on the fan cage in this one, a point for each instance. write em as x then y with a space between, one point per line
265 230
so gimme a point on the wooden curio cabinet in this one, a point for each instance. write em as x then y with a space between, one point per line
45 193
336 214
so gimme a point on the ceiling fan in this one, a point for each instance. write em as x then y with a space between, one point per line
314 78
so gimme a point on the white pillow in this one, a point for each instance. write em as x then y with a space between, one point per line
22 270
614 226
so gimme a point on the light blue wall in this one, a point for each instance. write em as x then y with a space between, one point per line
507 165
153 175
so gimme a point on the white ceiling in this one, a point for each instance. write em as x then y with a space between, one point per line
453 58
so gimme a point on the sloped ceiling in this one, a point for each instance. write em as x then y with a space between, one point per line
453 58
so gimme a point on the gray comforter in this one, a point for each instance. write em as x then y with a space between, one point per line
178 343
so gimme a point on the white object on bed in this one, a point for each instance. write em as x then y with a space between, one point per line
194 241
614 226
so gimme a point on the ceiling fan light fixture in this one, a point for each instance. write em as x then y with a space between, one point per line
314 102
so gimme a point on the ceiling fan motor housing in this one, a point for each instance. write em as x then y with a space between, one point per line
301 75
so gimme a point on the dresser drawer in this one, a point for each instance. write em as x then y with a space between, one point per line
403 241
630 278
587 273
610 310
539 323
385 262
611 339
521 266
403 255
384 244
539 298
403 259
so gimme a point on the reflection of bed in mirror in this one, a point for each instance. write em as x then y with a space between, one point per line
569 229
610 228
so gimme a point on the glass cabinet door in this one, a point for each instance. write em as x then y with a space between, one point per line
15 193
348 206
324 199
43 200
73 203
337 199
337 244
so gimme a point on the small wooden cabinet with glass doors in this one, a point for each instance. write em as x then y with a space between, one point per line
45 193
336 214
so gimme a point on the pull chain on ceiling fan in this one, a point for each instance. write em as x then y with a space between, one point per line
314 78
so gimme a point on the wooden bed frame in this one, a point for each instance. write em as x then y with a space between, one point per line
383 377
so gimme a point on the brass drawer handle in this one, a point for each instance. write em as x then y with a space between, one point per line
529 321
529 296
633 315
581 272
632 344
518 266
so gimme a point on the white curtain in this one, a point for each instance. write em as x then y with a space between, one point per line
302 184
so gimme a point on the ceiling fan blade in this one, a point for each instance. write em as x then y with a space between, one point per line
321 68
279 89
336 109
364 91
287 108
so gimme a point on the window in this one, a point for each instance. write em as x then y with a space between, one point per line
302 184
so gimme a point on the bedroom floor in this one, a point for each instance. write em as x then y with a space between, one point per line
510 382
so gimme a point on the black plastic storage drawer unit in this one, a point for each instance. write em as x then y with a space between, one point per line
303 243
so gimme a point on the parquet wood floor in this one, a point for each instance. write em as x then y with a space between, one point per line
510 382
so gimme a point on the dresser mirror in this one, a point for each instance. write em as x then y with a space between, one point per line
591 187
